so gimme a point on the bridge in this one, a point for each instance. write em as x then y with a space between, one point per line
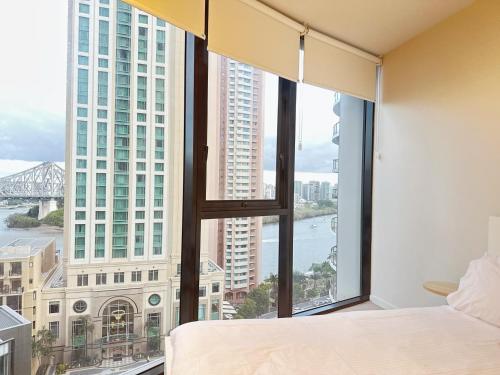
44 182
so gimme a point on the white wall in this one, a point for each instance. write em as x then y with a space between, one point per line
438 136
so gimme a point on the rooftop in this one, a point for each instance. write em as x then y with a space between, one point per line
9 318
24 247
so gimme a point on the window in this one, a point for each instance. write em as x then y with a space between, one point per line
54 329
153 275
245 166
80 215
215 288
241 247
54 307
203 291
82 280
80 306
119 277
100 279
136 276
327 247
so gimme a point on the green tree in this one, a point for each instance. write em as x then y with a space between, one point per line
55 218
273 281
41 346
33 212
21 221
261 297
247 310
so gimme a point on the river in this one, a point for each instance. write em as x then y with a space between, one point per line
8 235
312 242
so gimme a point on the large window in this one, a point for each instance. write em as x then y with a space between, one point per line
317 213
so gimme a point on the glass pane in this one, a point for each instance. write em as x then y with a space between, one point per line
239 268
327 194
242 123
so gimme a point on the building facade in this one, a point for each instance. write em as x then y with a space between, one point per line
114 298
25 265
238 124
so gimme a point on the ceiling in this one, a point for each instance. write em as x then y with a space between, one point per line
376 26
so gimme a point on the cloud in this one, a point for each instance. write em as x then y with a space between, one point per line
315 158
30 137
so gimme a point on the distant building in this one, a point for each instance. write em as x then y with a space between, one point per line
25 265
15 343
325 191
269 191
306 192
297 191
314 191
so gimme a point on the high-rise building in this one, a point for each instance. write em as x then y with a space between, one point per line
123 187
314 187
239 125
325 191
306 192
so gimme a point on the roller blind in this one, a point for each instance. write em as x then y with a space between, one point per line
185 14
333 65
247 31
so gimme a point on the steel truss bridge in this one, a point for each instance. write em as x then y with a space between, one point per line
45 181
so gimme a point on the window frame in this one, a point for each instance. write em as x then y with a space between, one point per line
196 207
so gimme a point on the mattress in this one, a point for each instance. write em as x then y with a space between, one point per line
435 340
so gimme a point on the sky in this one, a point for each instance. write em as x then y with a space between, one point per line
33 89
32 81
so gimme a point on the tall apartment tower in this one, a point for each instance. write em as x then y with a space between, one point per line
123 179
238 125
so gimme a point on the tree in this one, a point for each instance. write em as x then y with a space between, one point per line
33 212
41 346
273 280
260 296
55 218
21 221
247 310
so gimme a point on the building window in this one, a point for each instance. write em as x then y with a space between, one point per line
203 291
153 275
82 280
154 299
177 294
54 307
136 276
119 277
54 329
215 288
80 306
100 279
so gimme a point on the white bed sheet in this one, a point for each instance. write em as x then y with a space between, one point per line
435 340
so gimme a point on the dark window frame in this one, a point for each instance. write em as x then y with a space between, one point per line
196 206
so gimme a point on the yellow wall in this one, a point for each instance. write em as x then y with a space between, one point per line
438 176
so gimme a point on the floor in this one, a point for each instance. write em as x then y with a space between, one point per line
362 306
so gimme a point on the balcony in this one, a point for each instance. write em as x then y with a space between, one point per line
335 165
336 104
336 133
7 290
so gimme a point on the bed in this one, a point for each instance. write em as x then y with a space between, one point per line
432 340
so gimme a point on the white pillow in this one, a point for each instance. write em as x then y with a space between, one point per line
478 294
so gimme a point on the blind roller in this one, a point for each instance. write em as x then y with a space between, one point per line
333 65
248 31
188 15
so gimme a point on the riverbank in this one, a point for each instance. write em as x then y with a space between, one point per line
303 213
